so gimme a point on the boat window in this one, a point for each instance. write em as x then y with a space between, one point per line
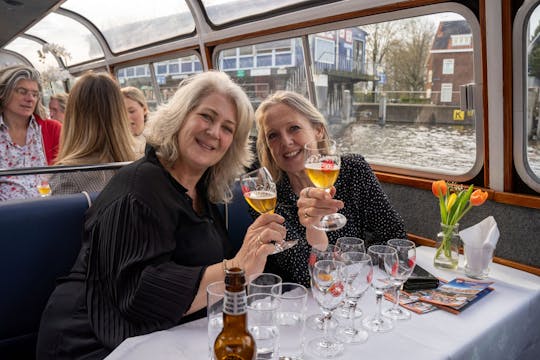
32 51
527 94
391 91
137 23
221 12
62 31
264 68
168 74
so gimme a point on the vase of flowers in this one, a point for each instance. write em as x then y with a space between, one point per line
454 202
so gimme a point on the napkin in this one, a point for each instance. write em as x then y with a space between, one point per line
482 235
479 242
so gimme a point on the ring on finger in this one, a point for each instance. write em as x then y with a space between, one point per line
306 215
259 241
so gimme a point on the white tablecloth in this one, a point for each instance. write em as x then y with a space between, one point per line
503 325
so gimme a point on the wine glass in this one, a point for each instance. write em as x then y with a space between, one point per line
328 288
380 282
260 193
347 244
350 243
315 321
399 272
359 274
322 163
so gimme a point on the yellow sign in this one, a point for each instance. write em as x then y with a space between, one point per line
459 115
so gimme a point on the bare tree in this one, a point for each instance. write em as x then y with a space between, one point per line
380 39
406 63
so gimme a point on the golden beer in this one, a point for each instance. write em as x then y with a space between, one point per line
44 189
322 175
262 201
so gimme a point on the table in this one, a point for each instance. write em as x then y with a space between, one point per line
503 325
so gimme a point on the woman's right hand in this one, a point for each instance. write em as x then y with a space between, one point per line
258 243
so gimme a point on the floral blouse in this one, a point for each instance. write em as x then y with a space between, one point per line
15 156
370 216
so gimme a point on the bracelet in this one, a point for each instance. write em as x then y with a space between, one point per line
224 265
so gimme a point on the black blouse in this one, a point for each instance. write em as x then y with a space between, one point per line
370 216
144 253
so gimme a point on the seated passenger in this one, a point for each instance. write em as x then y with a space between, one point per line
286 121
154 238
57 106
95 131
138 113
27 139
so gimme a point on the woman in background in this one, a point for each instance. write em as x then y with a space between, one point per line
138 115
96 131
286 121
57 106
27 138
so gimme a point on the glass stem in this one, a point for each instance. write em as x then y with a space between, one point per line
378 298
398 288
326 319
352 311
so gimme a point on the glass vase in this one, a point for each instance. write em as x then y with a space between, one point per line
447 253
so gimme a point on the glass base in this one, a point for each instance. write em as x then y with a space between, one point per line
378 324
343 312
326 348
287 244
331 222
397 313
315 322
352 335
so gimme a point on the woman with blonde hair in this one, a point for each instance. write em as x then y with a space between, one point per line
154 238
57 106
95 131
137 109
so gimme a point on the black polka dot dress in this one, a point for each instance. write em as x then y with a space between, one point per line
370 216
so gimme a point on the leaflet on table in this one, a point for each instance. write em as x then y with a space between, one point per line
454 296
411 301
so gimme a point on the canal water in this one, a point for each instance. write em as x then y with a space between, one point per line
442 147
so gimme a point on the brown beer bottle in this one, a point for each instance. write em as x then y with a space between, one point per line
234 342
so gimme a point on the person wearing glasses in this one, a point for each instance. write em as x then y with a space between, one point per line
27 138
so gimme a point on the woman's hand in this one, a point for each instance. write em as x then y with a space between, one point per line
313 204
259 243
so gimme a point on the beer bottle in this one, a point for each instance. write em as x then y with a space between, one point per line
234 342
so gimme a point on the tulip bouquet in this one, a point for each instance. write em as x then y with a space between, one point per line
454 202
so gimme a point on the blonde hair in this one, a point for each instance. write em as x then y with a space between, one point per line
296 102
95 127
166 123
10 76
136 95
62 99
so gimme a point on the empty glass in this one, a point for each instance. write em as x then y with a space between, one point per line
331 252
328 288
359 272
380 282
262 283
399 273
214 309
262 312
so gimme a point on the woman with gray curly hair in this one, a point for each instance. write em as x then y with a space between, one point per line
27 138
154 238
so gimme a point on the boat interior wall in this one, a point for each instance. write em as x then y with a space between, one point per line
519 226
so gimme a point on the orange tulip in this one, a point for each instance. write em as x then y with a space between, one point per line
439 188
478 197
